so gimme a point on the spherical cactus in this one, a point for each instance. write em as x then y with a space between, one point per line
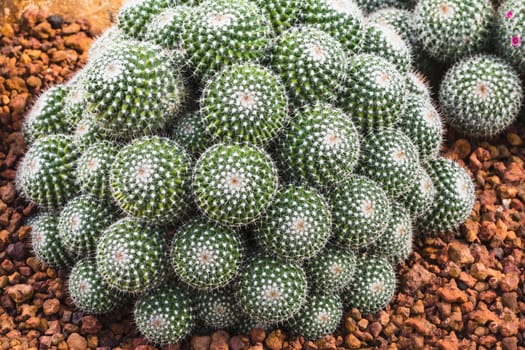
190 132
46 242
47 117
454 198
88 291
225 32
422 124
150 179
283 14
374 5
217 309
133 89
270 290
131 256
136 14
320 146
46 175
390 158
451 29
297 225
510 32
244 103
86 132
165 316
395 243
481 96
234 184
360 211
311 63
205 255
319 316
384 41
93 169
373 285
419 198
332 269
375 92
81 222
342 19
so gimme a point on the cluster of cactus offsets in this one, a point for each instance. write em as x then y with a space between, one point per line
238 163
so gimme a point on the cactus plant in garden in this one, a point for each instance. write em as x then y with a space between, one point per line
287 149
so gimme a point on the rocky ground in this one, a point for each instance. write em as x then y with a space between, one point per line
463 291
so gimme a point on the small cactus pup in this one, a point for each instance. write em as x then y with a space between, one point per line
319 316
225 32
131 256
45 240
81 222
87 131
297 225
205 255
217 309
422 124
418 84
47 117
342 19
88 291
46 175
189 131
451 29
375 92
93 169
150 179
421 194
283 14
384 41
165 316
234 184
395 243
360 211
332 269
374 5
390 158
311 63
270 290
133 89
320 146
373 285
481 96
244 103
454 200
510 33
136 14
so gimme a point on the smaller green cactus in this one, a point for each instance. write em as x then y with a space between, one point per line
46 175
46 242
332 269
297 225
80 224
217 309
373 285
360 211
234 184
47 117
474 88
89 292
283 14
244 103
205 255
93 169
86 132
131 256
270 290
164 316
319 316
189 131
418 84
419 198
510 33
311 63
135 15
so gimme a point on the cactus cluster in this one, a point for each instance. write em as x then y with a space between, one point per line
237 163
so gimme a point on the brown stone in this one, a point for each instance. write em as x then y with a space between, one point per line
418 277
51 306
237 343
257 335
43 30
200 342
275 340
451 293
71 29
20 293
352 342
76 342
219 340
79 42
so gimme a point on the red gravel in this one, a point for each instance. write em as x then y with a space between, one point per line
461 291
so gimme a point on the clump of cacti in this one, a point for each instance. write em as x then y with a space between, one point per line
273 158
